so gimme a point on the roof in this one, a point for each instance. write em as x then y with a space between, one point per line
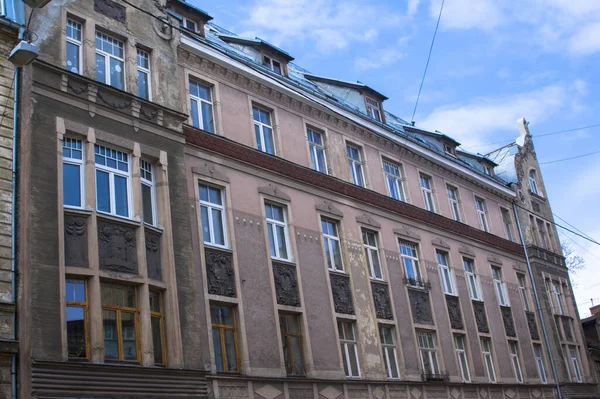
194 9
257 42
355 85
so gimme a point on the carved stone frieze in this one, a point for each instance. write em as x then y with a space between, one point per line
153 255
286 284
406 231
381 298
480 317
368 220
463 249
327 207
342 294
274 191
76 241
438 242
117 247
210 170
420 306
507 319
453 304
219 272
532 324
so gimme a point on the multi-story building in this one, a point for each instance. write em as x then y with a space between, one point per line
591 329
201 216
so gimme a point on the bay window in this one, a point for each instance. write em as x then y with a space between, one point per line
113 180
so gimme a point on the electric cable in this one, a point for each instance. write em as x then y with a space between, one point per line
570 225
571 158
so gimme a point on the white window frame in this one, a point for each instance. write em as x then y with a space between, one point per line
142 69
487 170
461 357
373 108
369 250
427 348
314 149
328 238
565 353
112 172
513 348
507 221
454 202
427 192
472 280
210 206
414 263
556 291
184 23
199 102
522 281
349 346
80 163
108 56
575 362
356 166
147 170
539 361
397 178
488 358
532 176
387 348
445 272
480 206
501 293
75 42
272 224
261 128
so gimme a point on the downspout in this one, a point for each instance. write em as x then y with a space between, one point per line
537 303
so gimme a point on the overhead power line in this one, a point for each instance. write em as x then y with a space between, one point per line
570 225
571 158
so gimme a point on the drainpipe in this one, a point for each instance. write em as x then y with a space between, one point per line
537 303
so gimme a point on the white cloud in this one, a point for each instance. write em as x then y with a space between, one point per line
467 14
413 6
379 59
587 40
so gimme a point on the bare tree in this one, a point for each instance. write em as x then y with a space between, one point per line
573 261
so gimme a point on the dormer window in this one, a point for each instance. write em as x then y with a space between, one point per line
189 25
373 108
450 150
487 170
273 65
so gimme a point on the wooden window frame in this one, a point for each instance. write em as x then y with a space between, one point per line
119 310
287 336
161 317
85 306
222 328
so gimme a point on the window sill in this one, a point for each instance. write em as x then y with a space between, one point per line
378 280
155 229
77 211
217 247
537 196
338 272
118 219
284 261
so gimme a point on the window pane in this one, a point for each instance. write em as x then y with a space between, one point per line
71 185
143 85
271 239
116 73
345 359
157 340
194 112
353 360
282 242
72 57
207 118
100 68
296 348
111 346
393 371
258 139
102 191
147 204
76 341
129 336
268 133
337 255
205 226
203 92
230 350
121 200
217 349
218 227
75 290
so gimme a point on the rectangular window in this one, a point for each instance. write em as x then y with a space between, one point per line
454 206
331 242
428 354
73 172
410 261
119 316
110 61
190 25
481 213
565 353
427 192
225 339
355 163
317 150
212 215
112 181
560 307
388 343
507 223
158 327
514 356
523 290
575 362
486 350
277 228
349 349
273 65
372 254
500 287
291 340
148 194
201 107
542 233
373 109
472 280
539 361
394 180
74 45
143 73
445 272
77 314
461 355
263 130
549 235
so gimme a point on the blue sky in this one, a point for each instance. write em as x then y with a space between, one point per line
494 61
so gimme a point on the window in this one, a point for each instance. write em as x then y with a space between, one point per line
558 297
331 242
393 178
461 355
110 61
143 73
523 290
355 162
507 223
317 150
277 229
74 44
212 215
481 212
500 287
514 357
542 233
565 353
486 350
349 350
291 339
487 170
539 361
201 107
373 109
189 25
273 65
225 340
372 254
533 182
450 150
119 316
445 272
410 260
575 362
427 193
428 353
386 334
472 280
112 181
77 314
263 130
453 199
549 235
158 328
73 172
148 195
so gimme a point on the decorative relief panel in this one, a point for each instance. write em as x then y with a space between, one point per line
421 309
153 255
301 393
509 325
117 247
219 272
76 241
480 317
532 324
456 321
381 298
110 9
342 294
286 284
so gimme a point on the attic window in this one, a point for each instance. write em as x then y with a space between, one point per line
273 65
373 108
448 149
487 170
189 25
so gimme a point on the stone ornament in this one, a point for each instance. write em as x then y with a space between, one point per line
76 241
532 324
286 284
453 304
420 306
219 273
507 319
117 247
480 317
153 255
381 298
342 295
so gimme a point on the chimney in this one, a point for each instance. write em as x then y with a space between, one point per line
595 310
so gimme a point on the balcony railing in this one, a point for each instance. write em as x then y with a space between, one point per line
417 283
445 377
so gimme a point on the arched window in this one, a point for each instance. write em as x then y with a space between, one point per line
533 182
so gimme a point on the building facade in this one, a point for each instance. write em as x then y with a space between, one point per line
199 216
591 329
